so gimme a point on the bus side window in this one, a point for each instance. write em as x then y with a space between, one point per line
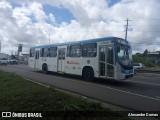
89 50
63 55
42 52
110 57
53 52
32 52
75 51
59 54
68 49
48 55
46 52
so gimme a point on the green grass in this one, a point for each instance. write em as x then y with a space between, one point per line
17 94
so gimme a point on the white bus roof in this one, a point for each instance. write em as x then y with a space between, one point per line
82 41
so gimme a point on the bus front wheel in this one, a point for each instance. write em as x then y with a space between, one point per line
45 68
88 74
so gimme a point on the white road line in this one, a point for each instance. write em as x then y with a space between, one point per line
36 82
107 88
143 82
132 93
122 91
157 97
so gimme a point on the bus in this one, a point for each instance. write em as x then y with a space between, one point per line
108 58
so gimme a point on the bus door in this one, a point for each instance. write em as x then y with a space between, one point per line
61 60
106 62
36 59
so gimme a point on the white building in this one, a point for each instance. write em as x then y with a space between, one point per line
24 58
3 55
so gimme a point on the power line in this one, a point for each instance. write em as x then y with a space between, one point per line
146 19
145 25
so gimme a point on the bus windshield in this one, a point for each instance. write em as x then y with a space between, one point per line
124 54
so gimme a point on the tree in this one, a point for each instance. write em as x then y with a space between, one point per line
13 56
145 52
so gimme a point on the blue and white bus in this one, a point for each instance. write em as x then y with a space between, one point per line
108 58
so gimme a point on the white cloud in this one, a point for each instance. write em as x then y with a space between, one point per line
28 23
52 17
86 11
142 14
37 10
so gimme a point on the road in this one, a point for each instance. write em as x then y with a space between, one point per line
141 93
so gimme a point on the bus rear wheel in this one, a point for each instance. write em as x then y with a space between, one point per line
88 74
45 68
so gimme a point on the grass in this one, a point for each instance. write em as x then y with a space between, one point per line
19 95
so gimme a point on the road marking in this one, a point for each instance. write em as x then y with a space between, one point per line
36 82
157 97
132 93
121 91
143 82
104 87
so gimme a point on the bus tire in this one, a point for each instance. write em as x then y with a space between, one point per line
88 73
45 68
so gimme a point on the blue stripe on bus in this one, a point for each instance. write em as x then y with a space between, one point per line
78 42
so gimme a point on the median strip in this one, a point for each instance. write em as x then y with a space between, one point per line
19 95
37 82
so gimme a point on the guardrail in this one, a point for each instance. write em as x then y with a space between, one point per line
147 71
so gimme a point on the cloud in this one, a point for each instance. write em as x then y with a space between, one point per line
86 11
27 22
143 15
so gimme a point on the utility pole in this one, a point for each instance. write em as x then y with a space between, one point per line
126 28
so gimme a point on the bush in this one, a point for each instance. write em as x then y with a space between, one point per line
149 64
143 59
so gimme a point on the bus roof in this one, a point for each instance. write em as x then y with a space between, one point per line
79 42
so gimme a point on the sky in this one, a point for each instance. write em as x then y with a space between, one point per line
39 22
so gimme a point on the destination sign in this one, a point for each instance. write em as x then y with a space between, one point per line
122 41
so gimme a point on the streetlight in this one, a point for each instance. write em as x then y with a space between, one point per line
49 36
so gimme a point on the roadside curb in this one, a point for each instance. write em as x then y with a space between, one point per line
112 107
147 71
107 105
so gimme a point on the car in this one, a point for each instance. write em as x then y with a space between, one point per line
13 61
3 61
138 66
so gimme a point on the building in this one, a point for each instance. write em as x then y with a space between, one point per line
3 55
154 56
24 58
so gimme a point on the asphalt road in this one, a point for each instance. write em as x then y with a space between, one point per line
141 93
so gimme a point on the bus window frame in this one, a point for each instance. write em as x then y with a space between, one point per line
32 54
55 51
88 54
76 53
